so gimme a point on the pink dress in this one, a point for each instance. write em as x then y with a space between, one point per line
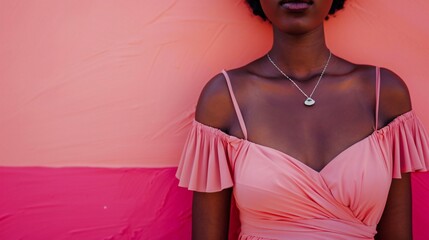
279 197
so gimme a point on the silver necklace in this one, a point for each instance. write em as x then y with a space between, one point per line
309 101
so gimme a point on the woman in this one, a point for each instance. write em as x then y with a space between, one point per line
307 142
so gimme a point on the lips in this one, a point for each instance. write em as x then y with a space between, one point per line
281 2
295 5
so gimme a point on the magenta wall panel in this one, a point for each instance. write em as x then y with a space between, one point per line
116 204
92 203
420 188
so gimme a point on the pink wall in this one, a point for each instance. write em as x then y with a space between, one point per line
114 84
92 203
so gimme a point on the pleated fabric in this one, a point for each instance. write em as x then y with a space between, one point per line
279 197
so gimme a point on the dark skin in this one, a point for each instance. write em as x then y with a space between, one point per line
276 117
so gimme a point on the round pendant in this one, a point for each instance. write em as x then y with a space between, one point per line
309 102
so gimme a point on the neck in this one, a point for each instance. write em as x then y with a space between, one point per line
300 56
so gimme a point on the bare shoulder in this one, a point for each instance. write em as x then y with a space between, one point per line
394 96
214 106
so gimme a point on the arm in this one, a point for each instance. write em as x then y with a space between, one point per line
210 215
210 211
395 223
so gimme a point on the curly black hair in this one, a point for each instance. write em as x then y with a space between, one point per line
255 5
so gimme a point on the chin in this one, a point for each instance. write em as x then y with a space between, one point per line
298 28
296 16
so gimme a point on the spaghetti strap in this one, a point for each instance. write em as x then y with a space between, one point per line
377 95
235 103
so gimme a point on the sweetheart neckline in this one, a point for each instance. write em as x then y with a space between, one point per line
301 163
291 158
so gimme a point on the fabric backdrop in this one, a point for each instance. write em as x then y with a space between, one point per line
96 99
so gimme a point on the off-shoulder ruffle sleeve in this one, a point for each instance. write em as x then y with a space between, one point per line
204 165
408 144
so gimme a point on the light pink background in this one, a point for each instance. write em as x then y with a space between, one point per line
114 84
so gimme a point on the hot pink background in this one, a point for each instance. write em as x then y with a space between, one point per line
106 91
